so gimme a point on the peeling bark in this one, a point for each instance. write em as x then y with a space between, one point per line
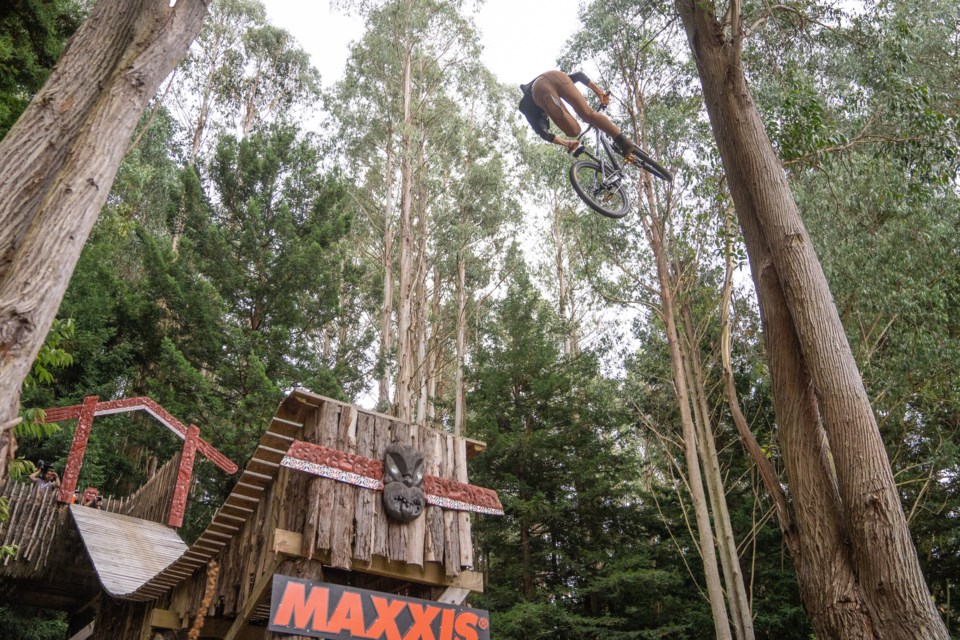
59 161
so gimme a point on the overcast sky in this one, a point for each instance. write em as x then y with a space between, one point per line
521 38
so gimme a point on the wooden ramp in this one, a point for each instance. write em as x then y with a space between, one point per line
126 552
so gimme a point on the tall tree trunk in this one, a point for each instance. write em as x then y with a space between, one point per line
570 343
58 162
460 395
386 309
433 351
885 562
421 333
708 552
726 542
405 293
767 473
420 302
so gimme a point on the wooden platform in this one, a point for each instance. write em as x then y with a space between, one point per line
126 552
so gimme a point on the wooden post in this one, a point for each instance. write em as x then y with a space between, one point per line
184 474
71 472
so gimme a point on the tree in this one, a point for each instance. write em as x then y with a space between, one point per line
59 160
580 552
877 590
431 191
270 244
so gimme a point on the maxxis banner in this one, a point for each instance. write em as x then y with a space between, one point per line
319 610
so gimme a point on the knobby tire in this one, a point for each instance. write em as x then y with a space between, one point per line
587 178
647 163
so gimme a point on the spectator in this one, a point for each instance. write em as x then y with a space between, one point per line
92 498
45 477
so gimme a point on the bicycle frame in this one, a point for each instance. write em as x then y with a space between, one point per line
610 167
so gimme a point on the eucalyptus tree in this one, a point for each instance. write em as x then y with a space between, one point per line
856 563
471 207
413 111
203 93
654 91
366 108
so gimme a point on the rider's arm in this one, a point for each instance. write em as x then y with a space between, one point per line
569 145
603 97
581 77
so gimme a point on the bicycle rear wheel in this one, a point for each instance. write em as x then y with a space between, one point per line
647 163
587 180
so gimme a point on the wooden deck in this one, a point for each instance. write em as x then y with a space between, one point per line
126 552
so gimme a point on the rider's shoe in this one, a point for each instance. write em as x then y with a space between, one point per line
622 144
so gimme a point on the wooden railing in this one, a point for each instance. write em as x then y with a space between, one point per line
33 525
152 501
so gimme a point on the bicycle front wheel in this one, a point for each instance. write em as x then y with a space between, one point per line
608 200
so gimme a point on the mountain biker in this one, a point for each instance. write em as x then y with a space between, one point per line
541 103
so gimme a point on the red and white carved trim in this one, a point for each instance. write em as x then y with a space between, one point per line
147 404
178 506
367 473
333 473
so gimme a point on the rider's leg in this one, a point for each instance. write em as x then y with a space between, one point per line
547 91
546 97
568 91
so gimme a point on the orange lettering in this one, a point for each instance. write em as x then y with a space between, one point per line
348 615
467 626
446 624
302 608
386 622
423 615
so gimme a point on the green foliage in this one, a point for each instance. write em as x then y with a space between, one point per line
32 35
581 551
22 623
52 355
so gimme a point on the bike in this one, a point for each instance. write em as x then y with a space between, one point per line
599 180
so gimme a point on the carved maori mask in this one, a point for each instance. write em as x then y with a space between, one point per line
403 497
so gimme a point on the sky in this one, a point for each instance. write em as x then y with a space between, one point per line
521 38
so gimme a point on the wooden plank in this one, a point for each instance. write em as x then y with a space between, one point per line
345 500
474 447
463 517
417 529
364 509
327 494
381 439
166 619
218 627
290 542
454 595
432 456
451 524
85 632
